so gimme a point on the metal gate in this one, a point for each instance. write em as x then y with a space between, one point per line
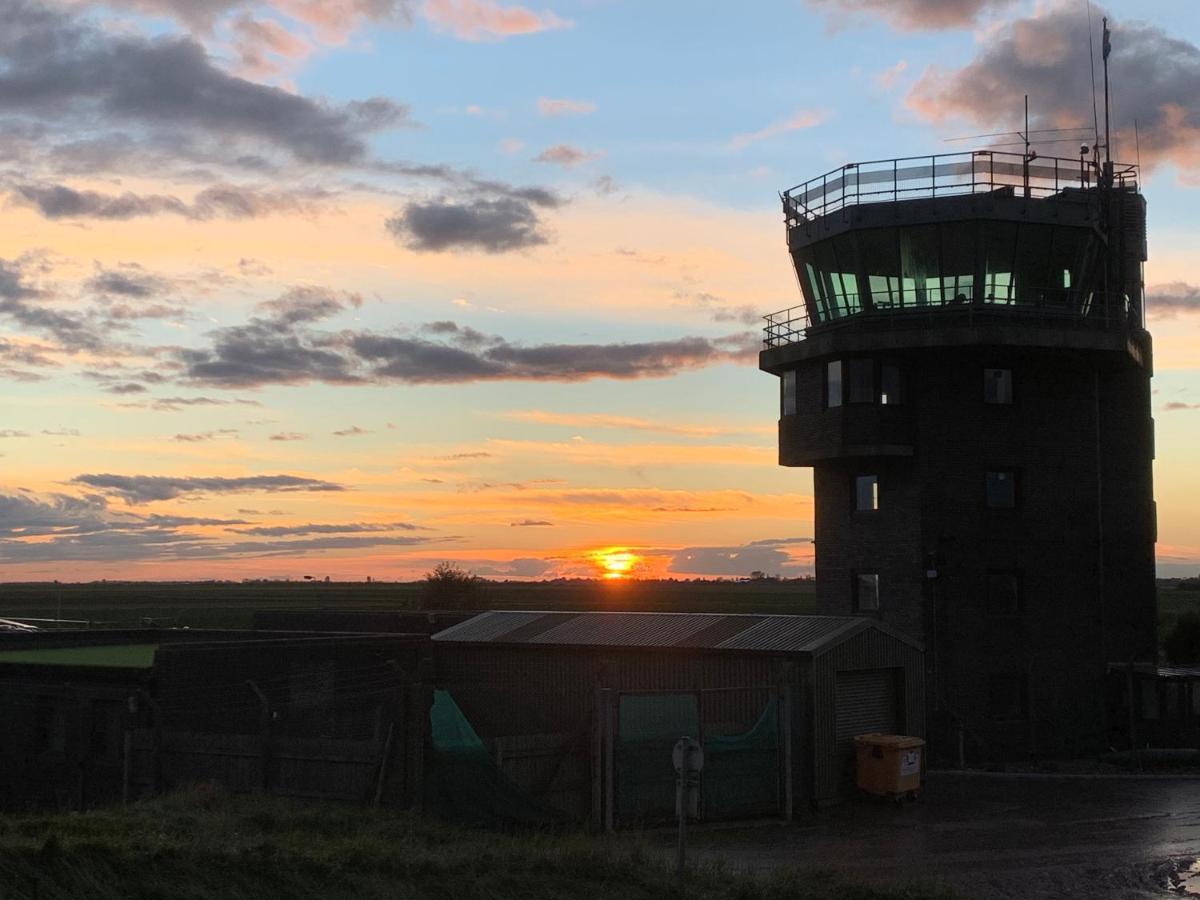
867 701
745 754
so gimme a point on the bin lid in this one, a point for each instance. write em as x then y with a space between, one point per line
894 741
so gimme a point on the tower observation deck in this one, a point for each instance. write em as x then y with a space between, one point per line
969 378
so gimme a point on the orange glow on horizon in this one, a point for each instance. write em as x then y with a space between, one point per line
615 563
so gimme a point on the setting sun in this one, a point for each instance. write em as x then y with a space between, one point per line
616 564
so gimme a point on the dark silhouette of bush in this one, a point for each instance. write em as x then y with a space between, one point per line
1182 643
449 587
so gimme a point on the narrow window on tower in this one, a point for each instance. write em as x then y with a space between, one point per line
1002 489
787 393
833 383
998 386
866 592
891 388
866 493
861 381
1004 593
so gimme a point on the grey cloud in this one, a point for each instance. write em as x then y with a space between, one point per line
127 281
24 515
761 556
419 361
288 436
1166 301
13 433
529 523
60 527
494 225
227 201
344 528
147 488
286 548
176 404
352 431
201 15
522 567
605 186
275 348
914 15
29 308
57 201
282 349
308 304
565 155
203 436
57 64
1047 56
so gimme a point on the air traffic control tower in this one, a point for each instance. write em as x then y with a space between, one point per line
969 379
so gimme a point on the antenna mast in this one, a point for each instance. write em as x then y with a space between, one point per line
1107 49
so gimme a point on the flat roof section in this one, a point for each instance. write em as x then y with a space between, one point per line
109 656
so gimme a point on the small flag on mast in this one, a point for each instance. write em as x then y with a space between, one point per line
1107 40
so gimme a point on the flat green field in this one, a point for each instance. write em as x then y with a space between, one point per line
203 845
116 656
232 605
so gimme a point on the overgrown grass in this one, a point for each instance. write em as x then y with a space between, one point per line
204 844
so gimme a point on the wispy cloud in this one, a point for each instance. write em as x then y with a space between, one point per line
148 488
567 156
798 121
486 20
913 15
563 107
630 423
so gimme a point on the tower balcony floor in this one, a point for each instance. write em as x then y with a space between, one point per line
789 339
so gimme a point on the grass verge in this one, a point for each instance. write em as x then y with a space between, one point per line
204 844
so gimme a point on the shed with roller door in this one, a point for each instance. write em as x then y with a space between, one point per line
554 695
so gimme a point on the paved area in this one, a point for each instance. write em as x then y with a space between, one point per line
996 837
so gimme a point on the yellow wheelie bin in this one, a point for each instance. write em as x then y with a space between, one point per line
889 765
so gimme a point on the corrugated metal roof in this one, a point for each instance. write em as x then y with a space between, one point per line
1179 672
489 626
714 631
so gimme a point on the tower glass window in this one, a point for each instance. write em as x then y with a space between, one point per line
866 493
866 592
1001 489
787 393
1000 249
998 386
860 380
891 387
920 284
833 383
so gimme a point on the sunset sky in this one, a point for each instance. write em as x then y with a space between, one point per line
350 287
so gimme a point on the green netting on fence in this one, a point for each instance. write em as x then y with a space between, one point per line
741 776
648 727
741 771
463 783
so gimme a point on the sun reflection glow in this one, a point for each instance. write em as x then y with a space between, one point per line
615 563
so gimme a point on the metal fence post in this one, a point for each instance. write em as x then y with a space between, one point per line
264 727
610 793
